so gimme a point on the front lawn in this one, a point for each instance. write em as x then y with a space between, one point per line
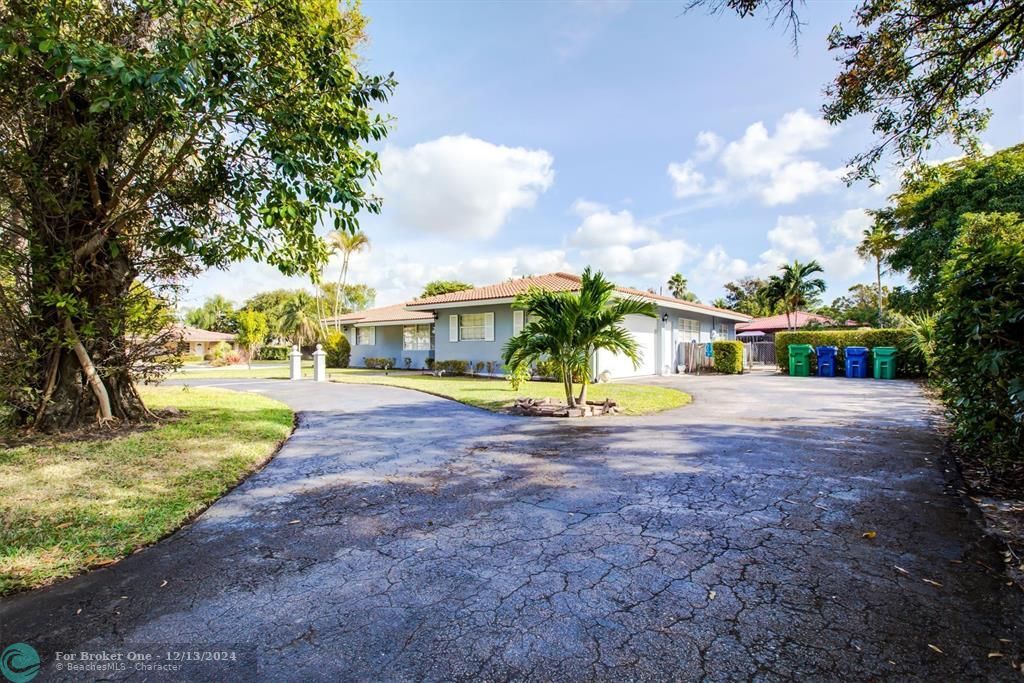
66 506
497 394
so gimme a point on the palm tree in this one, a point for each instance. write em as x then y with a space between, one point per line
345 243
570 327
298 322
677 284
795 288
879 240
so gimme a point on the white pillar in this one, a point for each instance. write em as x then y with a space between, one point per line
319 364
665 347
295 367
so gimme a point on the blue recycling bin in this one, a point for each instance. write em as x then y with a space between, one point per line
826 361
856 361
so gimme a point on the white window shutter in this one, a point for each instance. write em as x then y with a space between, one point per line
517 322
453 328
488 327
373 336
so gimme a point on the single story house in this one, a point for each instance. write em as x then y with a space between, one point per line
473 325
193 341
764 329
389 332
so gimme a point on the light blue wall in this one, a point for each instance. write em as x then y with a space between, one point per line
473 351
387 344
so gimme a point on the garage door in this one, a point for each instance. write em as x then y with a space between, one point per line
644 331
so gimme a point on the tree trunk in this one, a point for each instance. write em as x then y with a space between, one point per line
567 384
878 278
342 276
92 378
583 393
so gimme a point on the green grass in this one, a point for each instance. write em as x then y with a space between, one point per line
497 394
66 506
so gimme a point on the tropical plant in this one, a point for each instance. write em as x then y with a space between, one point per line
749 295
252 333
922 337
344 243
217 314
437 287
877 243
145 141
339 351
570 327
299 319
795 289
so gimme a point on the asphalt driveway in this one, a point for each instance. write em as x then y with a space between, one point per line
399 536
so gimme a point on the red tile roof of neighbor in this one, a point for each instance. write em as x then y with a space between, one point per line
774 323
390 314
555 282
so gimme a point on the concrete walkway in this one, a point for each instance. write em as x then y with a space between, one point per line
398 536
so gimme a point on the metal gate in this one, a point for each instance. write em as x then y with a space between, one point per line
760 353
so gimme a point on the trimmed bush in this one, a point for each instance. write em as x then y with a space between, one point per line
339 351
549 370
452 367
728 356
428 363
379 363
273 353
909 363
979 338
194 358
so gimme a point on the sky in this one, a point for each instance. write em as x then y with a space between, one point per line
630 136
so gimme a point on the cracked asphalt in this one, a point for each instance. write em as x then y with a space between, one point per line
399 536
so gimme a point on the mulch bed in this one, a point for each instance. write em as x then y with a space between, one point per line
549 407
999 495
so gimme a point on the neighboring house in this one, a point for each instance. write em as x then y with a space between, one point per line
193 341
764 329
389 332
473 325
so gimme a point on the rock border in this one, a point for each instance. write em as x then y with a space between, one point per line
548 407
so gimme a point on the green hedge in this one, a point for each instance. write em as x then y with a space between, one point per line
273 353
728 356
979 338
452 367
379 363
909 362
339 351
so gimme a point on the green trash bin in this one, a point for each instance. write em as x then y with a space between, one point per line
885 362
800 360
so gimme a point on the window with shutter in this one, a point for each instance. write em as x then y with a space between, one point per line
453 328
517 322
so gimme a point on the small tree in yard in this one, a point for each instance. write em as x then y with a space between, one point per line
252 333
568 328
141 142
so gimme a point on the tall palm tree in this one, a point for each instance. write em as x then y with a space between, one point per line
346 244
877 243
298 319
795 287
677 284
569 327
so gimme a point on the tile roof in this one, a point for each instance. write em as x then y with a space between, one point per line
555 282
195 334
394 313
778 322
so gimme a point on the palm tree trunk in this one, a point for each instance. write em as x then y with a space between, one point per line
583 393
878 278
342 276
567 384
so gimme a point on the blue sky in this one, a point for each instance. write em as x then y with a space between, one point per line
532 137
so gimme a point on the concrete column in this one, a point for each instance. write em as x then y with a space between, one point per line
319 364
295 365
665 347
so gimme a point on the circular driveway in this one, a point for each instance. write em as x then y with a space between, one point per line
399 536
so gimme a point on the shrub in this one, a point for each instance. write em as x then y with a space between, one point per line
909 363
452 367
408 363
219 351
428 363
979 349
273 353
478 367
339 351
518 377
549 370
191 358
728 356
379 363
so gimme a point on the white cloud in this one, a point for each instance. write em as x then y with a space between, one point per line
852 224
795 236
772 166
653 262
601 226
461 186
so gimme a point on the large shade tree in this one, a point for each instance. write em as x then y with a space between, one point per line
568 328
142 140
